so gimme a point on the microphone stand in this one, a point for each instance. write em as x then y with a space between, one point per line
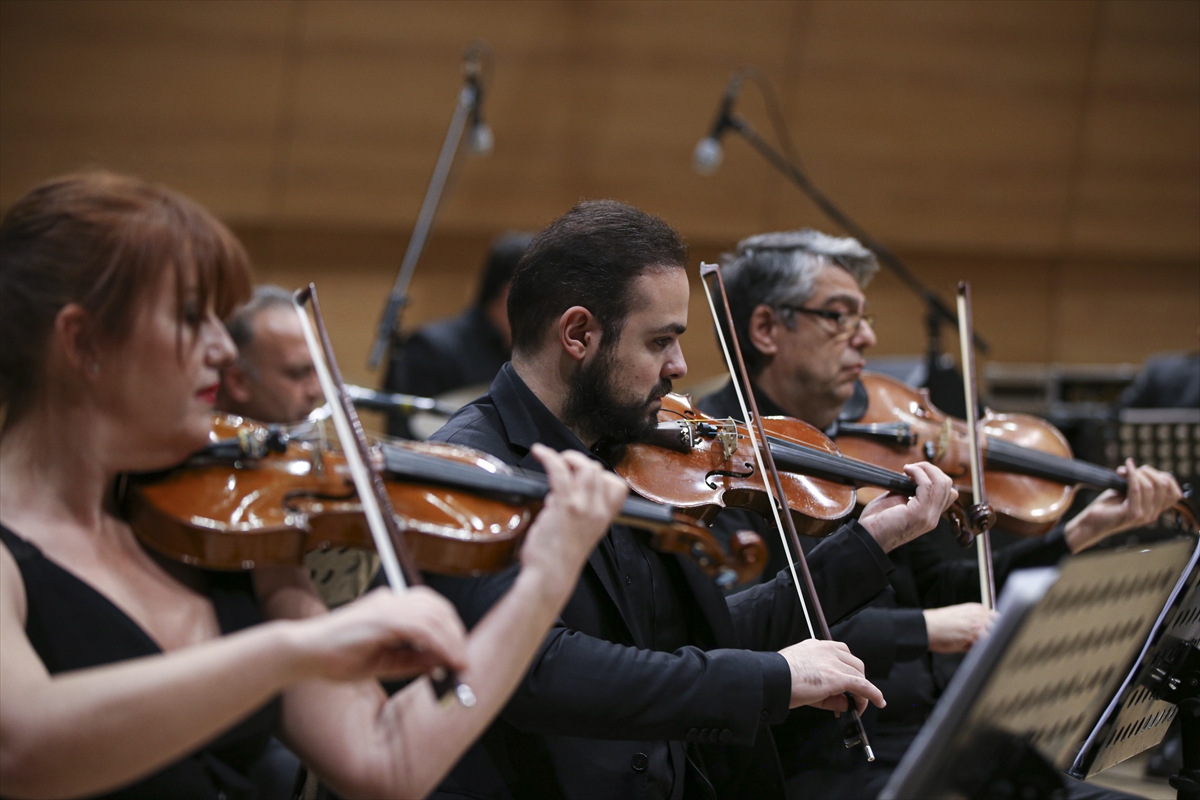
389 323
936 311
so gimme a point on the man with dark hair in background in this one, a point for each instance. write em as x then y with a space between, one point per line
652 684
462 351
800 315
273 379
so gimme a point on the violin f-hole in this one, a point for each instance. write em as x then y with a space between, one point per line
727 473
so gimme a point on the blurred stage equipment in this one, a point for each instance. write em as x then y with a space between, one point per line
476 62
1078 399
709 154
945 387
374 400
1165 438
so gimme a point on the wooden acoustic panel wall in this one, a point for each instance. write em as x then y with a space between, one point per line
1030 310
1048 151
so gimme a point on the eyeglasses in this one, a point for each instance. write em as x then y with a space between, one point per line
846 324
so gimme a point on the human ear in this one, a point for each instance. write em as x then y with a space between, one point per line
762 330
578 332
73 339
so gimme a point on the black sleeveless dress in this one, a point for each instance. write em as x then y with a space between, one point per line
72 626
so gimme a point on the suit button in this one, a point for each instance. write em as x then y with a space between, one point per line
713 735
764 716
639 762
726 736
704 734
692 735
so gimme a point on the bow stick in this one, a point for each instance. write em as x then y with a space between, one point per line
394 556
853 733
980 514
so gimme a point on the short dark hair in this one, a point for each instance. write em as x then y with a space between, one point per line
587 257
240 323
103 241
501 263
778 269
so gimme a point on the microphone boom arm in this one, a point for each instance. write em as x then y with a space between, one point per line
934 303
389 322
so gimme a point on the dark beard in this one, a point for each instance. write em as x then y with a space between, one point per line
592 408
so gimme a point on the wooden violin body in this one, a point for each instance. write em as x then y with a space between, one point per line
1030 473
254 498
236 513
700 464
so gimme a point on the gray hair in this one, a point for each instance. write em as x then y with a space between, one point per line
241 322
779 269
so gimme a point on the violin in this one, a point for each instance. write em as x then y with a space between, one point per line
701 464
256 496
1031 475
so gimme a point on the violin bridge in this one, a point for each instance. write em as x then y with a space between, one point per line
943 441
727 435
252 443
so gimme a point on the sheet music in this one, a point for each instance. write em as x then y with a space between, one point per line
1047 672
1135 720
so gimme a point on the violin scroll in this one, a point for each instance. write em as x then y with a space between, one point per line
746 559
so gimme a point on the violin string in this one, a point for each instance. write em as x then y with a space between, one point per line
762 470
1050 466
432 469
840 466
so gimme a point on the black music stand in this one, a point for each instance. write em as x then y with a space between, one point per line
1064 647
1163 684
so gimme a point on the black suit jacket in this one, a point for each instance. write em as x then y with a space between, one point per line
889 636
599 715
443 356
1166 381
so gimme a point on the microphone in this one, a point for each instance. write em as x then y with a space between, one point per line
479 133
709 154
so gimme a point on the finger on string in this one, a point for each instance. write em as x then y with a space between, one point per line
918 474
557 471
578 461
1136 490
921 478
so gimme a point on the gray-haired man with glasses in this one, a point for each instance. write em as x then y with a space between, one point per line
800 314
797 300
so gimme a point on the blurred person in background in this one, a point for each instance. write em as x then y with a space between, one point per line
1168 380
273 379
462 351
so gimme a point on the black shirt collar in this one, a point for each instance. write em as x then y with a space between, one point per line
526 418
766 406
